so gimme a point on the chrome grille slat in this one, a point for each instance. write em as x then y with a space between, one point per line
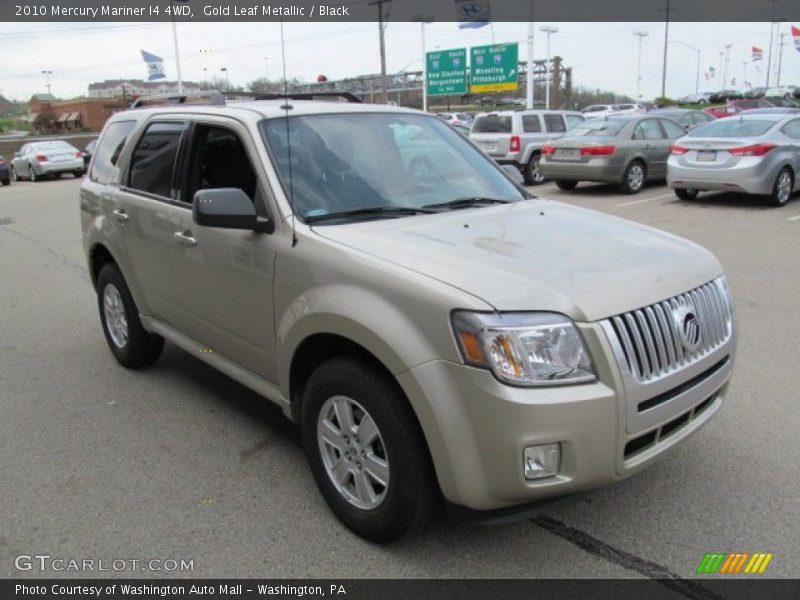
652 340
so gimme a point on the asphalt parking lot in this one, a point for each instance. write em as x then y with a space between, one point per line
180 462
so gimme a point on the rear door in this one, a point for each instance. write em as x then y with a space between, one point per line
140 210
223 278
654 146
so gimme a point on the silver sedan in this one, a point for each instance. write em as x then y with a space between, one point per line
754 154
628 150
38 160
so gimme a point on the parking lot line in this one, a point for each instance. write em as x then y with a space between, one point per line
794 218
647 200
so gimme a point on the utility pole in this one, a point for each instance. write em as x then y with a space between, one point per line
771 34
381 30
744 74
780 59
641 34
666 45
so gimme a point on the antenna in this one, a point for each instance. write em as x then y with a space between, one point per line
287 107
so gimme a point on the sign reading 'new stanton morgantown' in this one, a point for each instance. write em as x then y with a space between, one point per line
447 72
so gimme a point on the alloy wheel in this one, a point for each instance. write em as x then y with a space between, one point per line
114 312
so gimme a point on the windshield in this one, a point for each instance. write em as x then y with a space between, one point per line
733 127
598 128
352 162
56 145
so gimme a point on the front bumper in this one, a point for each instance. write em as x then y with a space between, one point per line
477 428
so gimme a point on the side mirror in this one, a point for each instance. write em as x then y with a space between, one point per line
226 208
513 173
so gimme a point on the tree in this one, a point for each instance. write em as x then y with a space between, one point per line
46 122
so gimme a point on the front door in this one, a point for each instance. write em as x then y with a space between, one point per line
223 278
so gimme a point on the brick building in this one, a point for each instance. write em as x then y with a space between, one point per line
72 115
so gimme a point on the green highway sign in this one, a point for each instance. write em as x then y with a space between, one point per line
446 72
494 68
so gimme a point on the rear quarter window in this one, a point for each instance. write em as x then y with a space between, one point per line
104 168
492 124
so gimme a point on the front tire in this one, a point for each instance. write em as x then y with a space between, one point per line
782 190
366 450
634 177
6 181
686 193
32 174
532 174
14 176
130 343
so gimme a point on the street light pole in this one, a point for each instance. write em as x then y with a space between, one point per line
424 68
266 68
666 44
549 30
47 79
227 79
529 67
780 58
725 70
640 34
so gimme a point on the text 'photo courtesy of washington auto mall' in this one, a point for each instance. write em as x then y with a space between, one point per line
462 298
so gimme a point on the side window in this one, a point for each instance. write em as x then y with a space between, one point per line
573 121
220 160
104 168
153 159
648 130
531 124
792 129
554 124
673 130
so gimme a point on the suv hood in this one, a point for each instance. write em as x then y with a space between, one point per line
538 255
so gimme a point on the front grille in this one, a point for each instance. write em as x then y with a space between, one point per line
652 338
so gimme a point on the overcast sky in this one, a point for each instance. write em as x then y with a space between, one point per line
602 55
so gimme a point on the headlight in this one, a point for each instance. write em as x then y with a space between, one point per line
524 348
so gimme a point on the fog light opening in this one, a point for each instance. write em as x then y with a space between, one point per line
541 461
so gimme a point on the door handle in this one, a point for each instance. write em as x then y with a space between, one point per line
184 238
120 215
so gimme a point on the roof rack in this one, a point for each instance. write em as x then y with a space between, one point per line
218 98
214 97
345 96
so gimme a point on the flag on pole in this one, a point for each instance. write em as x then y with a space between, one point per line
796 36
155 66
472 13
758 53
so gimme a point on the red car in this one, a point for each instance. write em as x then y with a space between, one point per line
720 112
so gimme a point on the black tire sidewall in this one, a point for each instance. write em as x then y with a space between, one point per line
626 188
142 347
529 177
563 184
410 490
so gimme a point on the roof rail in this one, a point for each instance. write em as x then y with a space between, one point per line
206 97
345 96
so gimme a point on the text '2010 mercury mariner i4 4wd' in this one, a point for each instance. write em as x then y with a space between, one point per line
438 334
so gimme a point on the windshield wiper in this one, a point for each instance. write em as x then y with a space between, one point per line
467 203
397 211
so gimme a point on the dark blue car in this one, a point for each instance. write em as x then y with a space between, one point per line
5 176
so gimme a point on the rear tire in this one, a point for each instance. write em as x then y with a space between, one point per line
634 177
6 181
782 190
347 465
130 343
532 174
77 174
563 184
686 193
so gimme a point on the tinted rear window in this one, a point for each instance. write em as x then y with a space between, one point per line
733 127
492 124
104 168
